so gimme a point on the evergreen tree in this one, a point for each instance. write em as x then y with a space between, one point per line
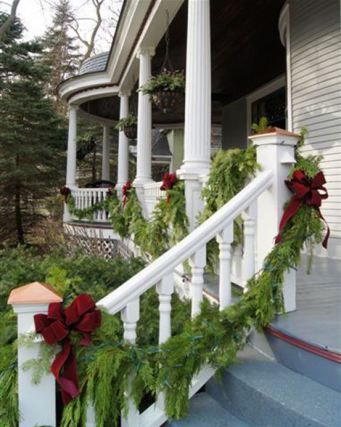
31 138
60 51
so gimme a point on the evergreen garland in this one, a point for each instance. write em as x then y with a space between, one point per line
213 337
167 226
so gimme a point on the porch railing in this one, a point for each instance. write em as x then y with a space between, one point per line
267 191
87 197
159 274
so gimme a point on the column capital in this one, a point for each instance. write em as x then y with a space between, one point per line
124 92
145 50
72 107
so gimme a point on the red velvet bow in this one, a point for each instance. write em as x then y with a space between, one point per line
125 191
168 182
306 191
65 191
55 327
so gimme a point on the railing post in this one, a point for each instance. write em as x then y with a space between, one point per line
276 152
130 316
225 238
197 263
37 402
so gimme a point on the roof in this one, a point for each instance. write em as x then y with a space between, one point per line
94 64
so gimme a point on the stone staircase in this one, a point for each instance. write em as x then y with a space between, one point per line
260 392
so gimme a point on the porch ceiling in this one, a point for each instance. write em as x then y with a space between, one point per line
246 53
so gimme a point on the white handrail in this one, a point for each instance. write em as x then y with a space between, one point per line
165 264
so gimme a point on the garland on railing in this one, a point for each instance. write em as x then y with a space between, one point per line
213 337
230 172
167 226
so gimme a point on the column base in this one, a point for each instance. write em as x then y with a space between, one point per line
139 182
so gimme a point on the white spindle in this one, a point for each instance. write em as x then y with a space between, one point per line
248 263
165 289
130 316
197 263
225 239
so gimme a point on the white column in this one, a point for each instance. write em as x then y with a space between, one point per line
106 153
123 145
197 150
144 122
72 148
275 151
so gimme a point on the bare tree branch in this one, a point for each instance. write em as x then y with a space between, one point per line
9 21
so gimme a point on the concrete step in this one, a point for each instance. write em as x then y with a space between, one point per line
264 393
206 412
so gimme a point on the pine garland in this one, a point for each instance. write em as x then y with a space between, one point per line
214 337
230 172
167 226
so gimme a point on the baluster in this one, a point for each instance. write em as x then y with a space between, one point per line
197 263
165 290
103 210
130 316
248 263
98 200
225 238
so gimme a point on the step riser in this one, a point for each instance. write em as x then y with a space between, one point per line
324 371
253 407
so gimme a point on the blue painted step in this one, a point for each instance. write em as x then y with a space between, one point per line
206 412
264 393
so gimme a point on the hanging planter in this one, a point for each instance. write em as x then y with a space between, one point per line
167 90
129 126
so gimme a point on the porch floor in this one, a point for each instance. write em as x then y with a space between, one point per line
317 319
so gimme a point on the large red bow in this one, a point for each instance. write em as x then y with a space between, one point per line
125 191
66 192
55 327
168 182
309 191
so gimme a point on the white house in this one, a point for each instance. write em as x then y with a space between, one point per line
243 60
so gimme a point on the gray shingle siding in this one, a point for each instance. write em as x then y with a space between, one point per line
94 64
316 90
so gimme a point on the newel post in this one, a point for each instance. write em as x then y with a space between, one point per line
37 402
275 151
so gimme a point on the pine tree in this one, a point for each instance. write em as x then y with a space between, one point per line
31 138
60 51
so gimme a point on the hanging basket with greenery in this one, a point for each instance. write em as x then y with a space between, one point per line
129 126
167 90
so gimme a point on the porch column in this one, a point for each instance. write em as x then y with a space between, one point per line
144 122
123 145
197 150
106 153
71 164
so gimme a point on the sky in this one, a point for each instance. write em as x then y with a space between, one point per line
36 16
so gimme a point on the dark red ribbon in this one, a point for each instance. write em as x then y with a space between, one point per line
56 326
125 191
168 182
65 191
308 191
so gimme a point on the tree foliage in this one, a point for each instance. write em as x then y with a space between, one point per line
60 51
30 135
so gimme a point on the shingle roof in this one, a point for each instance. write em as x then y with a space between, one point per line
94 64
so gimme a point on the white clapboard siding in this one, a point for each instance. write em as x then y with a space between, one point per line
315 48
